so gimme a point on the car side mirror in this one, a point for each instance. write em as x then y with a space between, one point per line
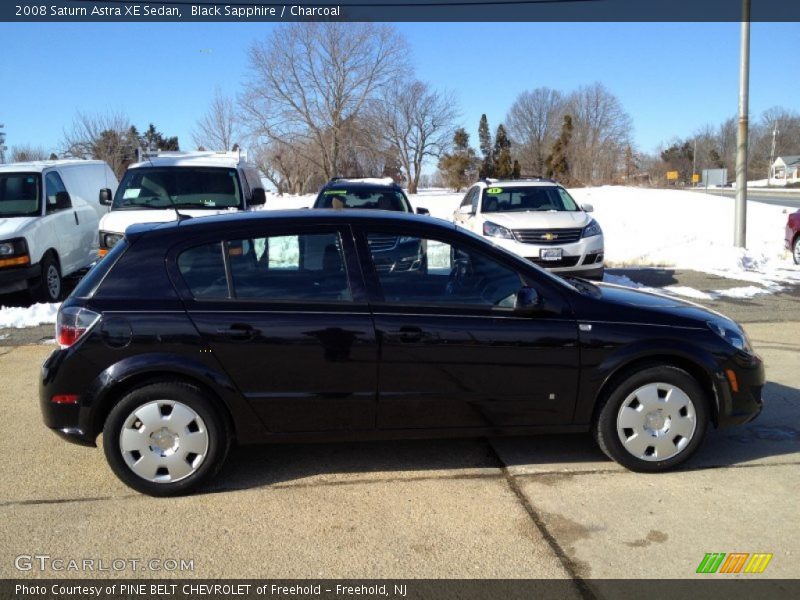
528 300
465 210
587 207
258 197
105 197
423 211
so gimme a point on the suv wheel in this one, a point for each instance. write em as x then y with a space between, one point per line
796 250
165 439
653 420
48 286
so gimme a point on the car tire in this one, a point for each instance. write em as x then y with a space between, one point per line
653 419
49 286
796 250
165 439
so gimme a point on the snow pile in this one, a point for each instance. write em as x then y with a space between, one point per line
19 317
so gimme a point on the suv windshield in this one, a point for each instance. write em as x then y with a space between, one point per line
179 187
20 194
380 198
525 199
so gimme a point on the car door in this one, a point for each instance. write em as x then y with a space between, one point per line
454 351
466 214
285 313
64 223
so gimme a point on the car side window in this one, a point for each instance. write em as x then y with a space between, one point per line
295 267
53 185
414 270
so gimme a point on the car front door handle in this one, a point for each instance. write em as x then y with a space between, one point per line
238 331
76 218
410 334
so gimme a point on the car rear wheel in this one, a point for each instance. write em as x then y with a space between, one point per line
796 250
165 439
653 420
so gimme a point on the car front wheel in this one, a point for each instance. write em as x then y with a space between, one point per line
165 439
796 250
653 420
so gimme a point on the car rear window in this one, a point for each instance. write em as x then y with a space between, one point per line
91 281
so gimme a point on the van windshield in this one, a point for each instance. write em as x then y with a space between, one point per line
20 194
179 187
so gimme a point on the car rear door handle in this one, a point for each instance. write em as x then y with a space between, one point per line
410 334
76 218
238 331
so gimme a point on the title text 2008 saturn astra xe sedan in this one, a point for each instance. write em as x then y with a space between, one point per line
281 326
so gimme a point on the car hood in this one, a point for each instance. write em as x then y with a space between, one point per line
645 307
13 226
118 221
539 219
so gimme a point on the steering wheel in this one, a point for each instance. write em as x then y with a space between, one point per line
460 274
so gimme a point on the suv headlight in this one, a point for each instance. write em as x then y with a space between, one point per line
109 240
494 230
593 228
734 335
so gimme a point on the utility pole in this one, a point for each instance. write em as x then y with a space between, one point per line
740 217
772 152
2 145
694 160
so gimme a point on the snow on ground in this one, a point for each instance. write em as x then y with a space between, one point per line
19 316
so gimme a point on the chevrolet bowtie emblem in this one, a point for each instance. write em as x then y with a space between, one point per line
549 236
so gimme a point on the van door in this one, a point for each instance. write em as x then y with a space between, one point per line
66 234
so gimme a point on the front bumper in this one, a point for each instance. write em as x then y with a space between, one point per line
739 386
584 257
16 279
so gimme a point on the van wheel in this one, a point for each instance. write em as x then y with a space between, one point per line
653 420
165 439
49 285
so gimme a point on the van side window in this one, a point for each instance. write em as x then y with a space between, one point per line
53 185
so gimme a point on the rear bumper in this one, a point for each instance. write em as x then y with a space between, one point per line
72 422
743 404
14 280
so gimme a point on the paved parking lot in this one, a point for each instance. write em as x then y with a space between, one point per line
550 506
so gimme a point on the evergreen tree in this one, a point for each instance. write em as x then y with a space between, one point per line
517 170
458 167
152 139
503 166
485 139
556 163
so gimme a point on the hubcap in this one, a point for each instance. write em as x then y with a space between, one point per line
53 281
656 421
164 441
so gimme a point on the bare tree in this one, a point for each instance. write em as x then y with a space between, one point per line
109 137
310 80
602 131
534 122
416 123
27 153
218 128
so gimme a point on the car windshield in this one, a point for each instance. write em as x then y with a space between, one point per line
380 198
179 187
527 199
20 194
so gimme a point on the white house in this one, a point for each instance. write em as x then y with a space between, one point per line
785 169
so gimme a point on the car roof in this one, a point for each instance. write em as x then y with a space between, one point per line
38 166
537 182
366 183
234 220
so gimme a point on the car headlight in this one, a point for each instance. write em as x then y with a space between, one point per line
734 335
593 228
109 240
494 230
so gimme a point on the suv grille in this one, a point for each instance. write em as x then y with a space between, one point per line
548 237
381 243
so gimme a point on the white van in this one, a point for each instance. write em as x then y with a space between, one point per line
163 184
49 214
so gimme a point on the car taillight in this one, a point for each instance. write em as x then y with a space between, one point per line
72 323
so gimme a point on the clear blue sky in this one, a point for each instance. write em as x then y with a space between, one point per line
671 77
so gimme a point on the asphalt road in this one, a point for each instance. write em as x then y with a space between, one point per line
791 199
528 507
